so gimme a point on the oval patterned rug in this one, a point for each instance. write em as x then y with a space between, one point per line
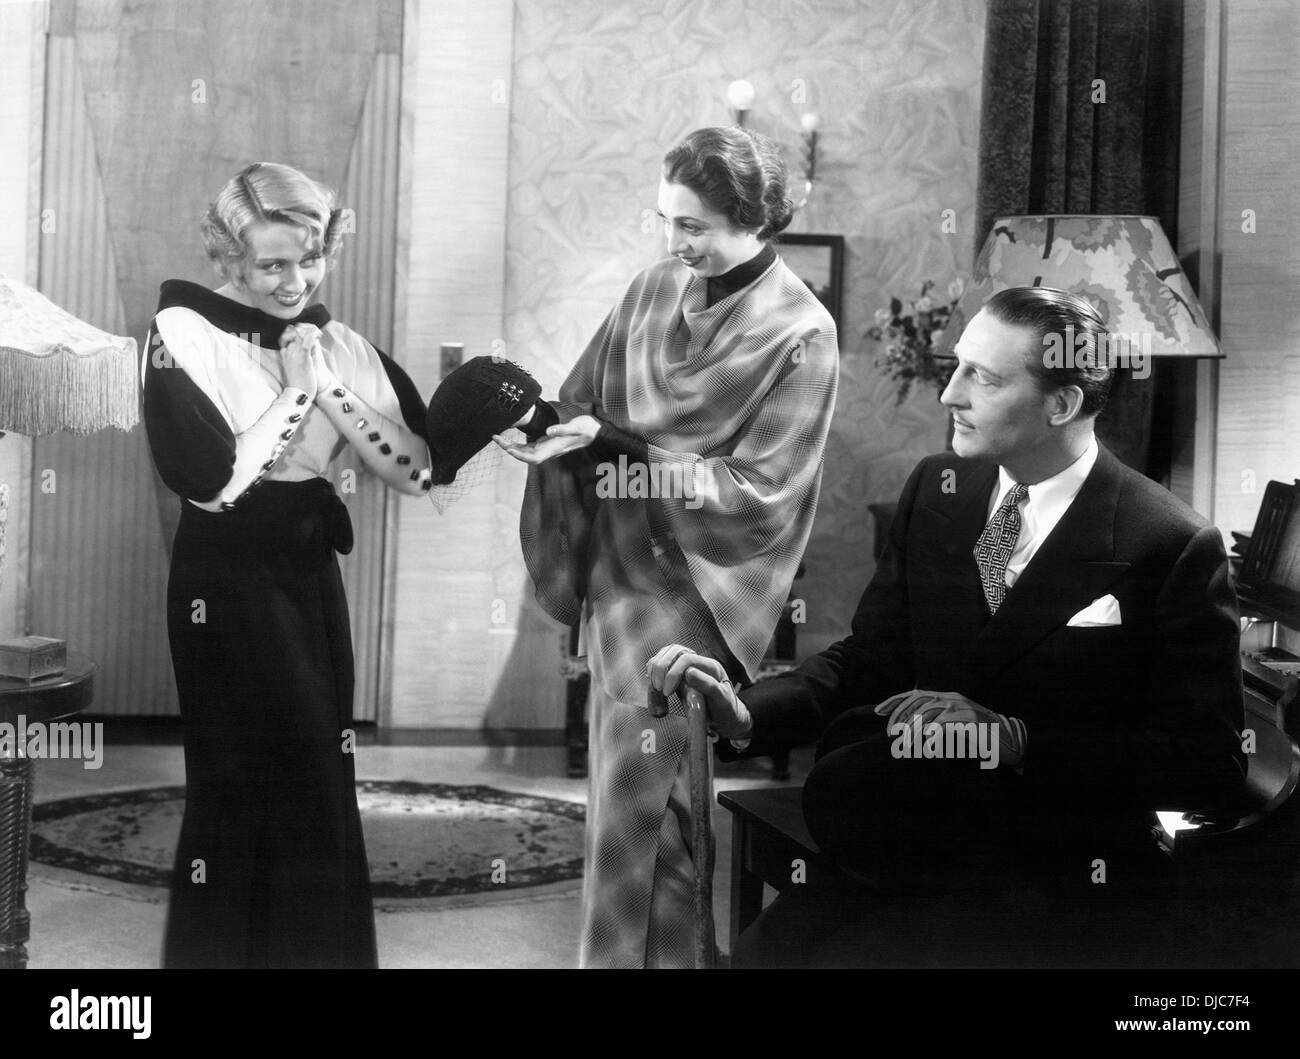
430 845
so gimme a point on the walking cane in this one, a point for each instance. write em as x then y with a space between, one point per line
698 749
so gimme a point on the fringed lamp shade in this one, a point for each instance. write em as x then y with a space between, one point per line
1123 265
58 372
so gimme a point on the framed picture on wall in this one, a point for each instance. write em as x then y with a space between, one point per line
818 260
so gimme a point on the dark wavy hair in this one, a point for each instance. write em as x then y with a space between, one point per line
737 173
1058 316
268 191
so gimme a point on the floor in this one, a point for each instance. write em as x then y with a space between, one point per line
77 928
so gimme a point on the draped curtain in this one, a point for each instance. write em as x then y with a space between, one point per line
1080 114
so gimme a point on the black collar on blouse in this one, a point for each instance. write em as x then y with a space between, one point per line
232 316
740 276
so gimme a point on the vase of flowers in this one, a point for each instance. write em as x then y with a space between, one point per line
910 334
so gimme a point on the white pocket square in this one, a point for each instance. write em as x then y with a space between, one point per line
1103 611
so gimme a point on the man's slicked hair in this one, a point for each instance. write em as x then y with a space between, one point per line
1058 319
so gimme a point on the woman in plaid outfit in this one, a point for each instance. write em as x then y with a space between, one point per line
671 495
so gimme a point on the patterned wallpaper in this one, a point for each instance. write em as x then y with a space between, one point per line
601 90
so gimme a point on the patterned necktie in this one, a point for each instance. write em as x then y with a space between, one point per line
997 542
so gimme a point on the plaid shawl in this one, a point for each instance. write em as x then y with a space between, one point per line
735 398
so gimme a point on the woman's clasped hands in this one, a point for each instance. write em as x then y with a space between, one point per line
303 359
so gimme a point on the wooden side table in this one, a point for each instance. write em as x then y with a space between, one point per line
39 702
768 835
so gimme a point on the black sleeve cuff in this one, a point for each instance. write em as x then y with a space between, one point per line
544 417
612 441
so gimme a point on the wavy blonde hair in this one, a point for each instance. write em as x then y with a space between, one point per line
268 192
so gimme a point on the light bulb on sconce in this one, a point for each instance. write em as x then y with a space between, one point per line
810 123
740 97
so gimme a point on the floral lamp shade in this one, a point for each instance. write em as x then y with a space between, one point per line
58 372
1123 265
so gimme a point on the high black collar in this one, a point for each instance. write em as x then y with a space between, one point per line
234 317
741 276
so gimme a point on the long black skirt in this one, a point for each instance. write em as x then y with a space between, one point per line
271 865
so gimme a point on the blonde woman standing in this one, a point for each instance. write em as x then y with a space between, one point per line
250 392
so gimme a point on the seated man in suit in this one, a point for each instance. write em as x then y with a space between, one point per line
1047 653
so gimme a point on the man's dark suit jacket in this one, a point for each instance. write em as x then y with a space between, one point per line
1121 720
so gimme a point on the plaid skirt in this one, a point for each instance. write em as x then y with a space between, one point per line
637 894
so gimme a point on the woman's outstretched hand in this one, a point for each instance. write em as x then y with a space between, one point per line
678 668
576 434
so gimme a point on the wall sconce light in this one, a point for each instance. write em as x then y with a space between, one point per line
809 123
740 97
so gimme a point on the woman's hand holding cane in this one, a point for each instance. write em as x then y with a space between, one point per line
678 668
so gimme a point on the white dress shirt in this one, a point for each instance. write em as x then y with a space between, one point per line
1042 509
